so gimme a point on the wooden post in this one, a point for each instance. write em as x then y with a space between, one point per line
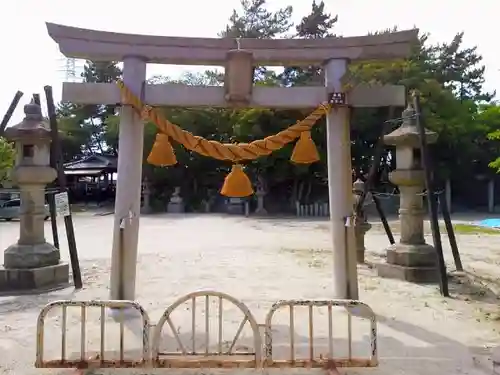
10 111
451 233
61 180
128 186
345 283
447 191
491 196
371 179
431 198
52 203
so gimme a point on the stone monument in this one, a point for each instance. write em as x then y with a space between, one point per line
411 259
146 193
260 193
361 225
32 263
176 203
235 206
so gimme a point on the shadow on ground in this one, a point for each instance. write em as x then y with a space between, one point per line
423 353
469 286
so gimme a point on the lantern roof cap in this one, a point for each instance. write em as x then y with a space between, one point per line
33 127
407 133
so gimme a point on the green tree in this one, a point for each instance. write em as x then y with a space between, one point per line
255 21
6 159
449 76
75 139
489 117
450 79
317 24
460 70
84 126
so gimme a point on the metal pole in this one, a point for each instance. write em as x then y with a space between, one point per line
61 179
52 203
431 198
10 111
383 218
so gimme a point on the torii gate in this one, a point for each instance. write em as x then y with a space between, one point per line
334 54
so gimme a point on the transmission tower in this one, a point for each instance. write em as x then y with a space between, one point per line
72 69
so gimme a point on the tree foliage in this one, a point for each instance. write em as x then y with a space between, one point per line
84 127
449 76
6 159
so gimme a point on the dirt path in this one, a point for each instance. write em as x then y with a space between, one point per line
262 261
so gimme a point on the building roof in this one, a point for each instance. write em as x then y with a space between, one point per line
93 162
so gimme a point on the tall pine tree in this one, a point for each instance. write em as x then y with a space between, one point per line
86 124
255 21
317 24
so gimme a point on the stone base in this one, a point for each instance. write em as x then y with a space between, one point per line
261 211
235 208
411 274
26 279
19 256
416 263
175 208
412 255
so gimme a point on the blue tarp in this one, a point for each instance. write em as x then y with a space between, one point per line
489 223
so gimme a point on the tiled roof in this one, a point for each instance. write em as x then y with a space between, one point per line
93 162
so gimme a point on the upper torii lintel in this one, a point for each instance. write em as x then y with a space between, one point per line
109 46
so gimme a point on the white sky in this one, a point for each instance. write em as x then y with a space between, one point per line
30 59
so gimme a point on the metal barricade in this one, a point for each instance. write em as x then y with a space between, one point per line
356 308
219 358
188 355
100 359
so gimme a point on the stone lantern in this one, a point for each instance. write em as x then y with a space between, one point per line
411 259
32 263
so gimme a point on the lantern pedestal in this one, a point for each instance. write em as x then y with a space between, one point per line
39 279
413 263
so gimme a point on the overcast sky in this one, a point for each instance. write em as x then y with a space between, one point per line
30 59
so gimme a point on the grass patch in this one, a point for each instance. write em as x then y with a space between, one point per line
473 229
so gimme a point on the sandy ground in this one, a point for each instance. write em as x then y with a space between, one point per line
261 261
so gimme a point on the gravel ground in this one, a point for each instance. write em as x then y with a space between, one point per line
260 261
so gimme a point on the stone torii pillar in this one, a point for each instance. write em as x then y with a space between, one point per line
128 187
345 282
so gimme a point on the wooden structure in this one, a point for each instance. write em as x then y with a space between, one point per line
92 177
238 56
92 166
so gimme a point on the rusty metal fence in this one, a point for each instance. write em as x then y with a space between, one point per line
100 359
356 308
185 358
189 355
